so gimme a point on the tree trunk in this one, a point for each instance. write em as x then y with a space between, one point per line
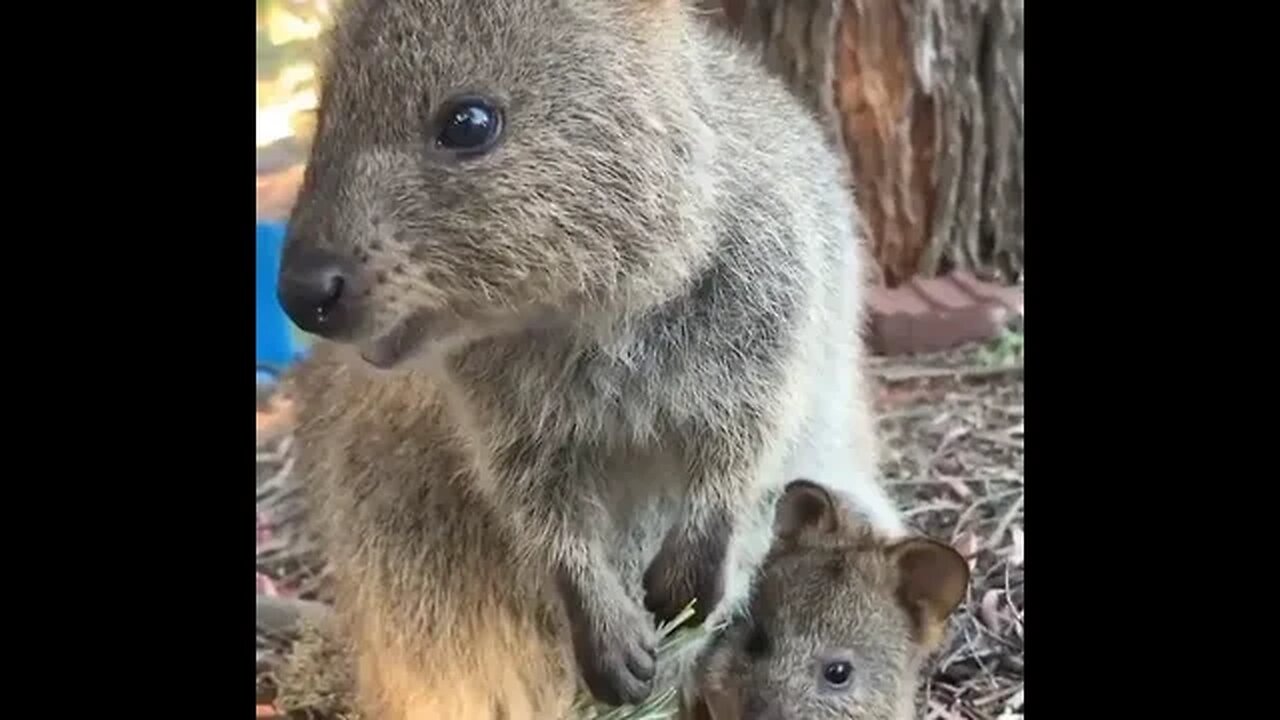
925 96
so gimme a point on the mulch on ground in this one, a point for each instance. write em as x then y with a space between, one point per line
952 432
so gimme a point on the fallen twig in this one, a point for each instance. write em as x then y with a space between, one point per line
994 540
903 373
910 414
997 695
1000 440
932 507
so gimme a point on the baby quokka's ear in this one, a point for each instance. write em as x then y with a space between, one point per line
933 579
807 510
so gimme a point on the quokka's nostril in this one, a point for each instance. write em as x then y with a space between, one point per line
326 305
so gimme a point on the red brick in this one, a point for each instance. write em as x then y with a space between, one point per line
965 310
943 291
895 301
1010 297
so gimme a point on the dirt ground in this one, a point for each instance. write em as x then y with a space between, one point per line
952 431
951 426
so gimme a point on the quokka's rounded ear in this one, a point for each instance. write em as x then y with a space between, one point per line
933 579
806 507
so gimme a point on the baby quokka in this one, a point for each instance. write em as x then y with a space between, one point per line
839 623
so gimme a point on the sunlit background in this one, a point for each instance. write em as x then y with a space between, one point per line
287 48
288 45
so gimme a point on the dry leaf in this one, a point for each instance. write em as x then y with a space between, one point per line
990 611
937 710
1012 476
265 535
1015 558
956 484
888 398
952 435
266 586
1012 704
968 544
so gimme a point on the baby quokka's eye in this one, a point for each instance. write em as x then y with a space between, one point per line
468 126
837 674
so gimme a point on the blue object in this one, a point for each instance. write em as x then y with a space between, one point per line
275 333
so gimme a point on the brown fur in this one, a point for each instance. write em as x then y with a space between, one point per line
609 338
444 626
832 589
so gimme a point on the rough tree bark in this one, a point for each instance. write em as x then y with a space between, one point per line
926 97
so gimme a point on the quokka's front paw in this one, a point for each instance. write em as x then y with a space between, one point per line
685 572
615 647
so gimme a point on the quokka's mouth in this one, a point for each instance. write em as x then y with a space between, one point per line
403 340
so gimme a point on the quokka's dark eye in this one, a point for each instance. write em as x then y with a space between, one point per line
837 674
469 126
